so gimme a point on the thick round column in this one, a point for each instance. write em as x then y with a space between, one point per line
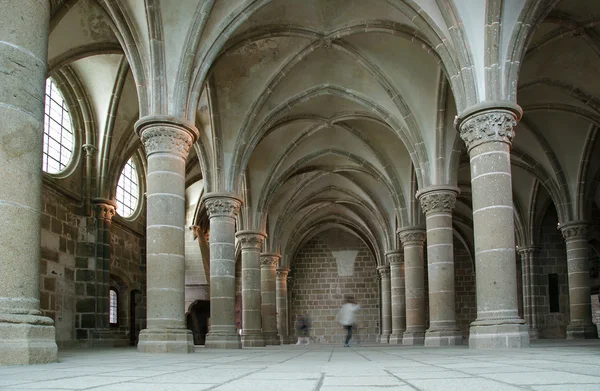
251 242
412 239
167 142
222 209
527 259
488 136
25 336
268 270
282 310
386 304
396 261
580 305
437 203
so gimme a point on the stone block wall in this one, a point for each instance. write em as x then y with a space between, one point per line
464 285
318 289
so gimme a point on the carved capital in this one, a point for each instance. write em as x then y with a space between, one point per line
250 240
269 259
166 134
105 209
526 251
384 271
575 230
218 205
197 230
438 199
414 236
490 125
395 258
282 273
89 149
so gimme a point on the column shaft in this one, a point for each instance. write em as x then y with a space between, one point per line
269 297
26 337
412 240
488 135
396 261
386 304
222 209
580 305
282 310
527 271
167 145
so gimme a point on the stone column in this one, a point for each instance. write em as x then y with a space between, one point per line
488 134
386 304
437 203
105 210
167 142
412 239
251 241
26 337
580 305
222 210
282 310
527 271
396 261
268 269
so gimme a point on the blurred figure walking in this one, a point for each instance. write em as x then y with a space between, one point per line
347 317
302 329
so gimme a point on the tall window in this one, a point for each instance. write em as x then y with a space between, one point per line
113 306
128 190
58 133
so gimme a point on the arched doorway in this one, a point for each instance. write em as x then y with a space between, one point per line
197 320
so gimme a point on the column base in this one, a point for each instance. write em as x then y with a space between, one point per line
166 341
223 341
27 339
413 338
253 340
439 338
384 338
271 338
285 340
498 336
534 334
582 331
395 339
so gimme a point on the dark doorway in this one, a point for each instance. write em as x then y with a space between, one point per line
134 328
197 320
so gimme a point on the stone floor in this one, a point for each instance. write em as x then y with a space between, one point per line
559 365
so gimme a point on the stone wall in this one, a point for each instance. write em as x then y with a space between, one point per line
320 283
464 285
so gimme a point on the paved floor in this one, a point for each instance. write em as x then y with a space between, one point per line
545 366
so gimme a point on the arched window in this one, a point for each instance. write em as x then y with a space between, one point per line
128 190
58 132
113 313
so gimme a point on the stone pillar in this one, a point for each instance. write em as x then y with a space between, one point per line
412 239
167 142
386 304
580 305
26 337
488 134
222 210
529 308
282 310
105 210
268 269
251 242
396 261
437 203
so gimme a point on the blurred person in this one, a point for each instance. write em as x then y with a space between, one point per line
302 329
347 317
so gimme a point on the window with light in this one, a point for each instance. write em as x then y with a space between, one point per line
127 190
113 306
58 131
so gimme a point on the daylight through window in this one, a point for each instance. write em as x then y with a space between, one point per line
58 133
113 306
127 190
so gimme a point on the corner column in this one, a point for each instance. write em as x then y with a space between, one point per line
580 305
437 203
222 210
412 239
488 135
167 142
282 310
396 261
268 270
386 304
26 337
529 308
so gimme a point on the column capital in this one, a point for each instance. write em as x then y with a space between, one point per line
89 149
166 134
412 235
222 204
526 250
395 257
384 271
251 239
575 230
269 259
282 273
105 209
491 124
437 198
